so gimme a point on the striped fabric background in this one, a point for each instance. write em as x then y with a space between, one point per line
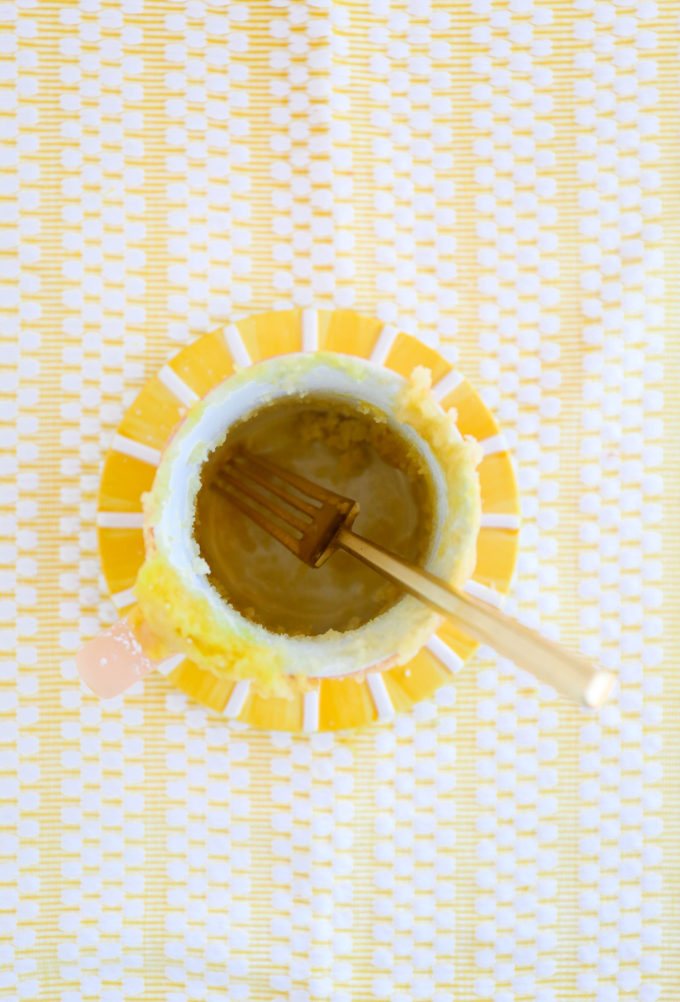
503 180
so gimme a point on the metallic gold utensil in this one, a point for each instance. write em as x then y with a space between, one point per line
313 522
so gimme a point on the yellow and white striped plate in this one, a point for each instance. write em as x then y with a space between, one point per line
334 704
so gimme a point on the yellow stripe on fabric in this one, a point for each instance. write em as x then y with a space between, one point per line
173 177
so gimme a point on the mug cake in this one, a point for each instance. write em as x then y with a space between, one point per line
219 589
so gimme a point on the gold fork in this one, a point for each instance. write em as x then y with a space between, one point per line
313 522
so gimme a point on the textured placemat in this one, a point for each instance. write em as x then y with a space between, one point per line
504 182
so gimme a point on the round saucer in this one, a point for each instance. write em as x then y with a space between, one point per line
130 465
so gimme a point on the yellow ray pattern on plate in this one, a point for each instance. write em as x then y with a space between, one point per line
124 480
274 714
122 554
472 415
496 556
423 673
498 485
342 703
348 332
345 703
407 352
204 364
457 640
275 333
153 415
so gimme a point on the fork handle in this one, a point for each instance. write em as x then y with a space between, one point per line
568 673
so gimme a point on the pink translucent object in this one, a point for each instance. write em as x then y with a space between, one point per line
113 661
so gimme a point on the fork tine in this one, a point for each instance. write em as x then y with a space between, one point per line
238 480
245 488
265 523
300 483
248 469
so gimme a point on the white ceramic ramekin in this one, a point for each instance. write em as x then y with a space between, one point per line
392 637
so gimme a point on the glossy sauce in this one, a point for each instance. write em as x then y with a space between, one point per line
352 451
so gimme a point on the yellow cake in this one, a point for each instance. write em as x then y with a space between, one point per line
235 601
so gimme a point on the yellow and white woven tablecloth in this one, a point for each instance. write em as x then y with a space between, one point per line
502 179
